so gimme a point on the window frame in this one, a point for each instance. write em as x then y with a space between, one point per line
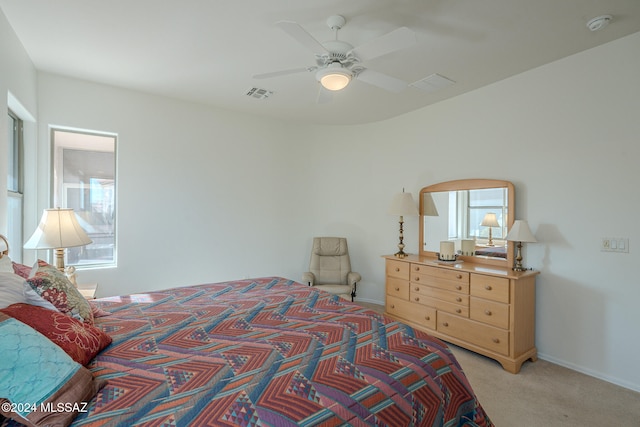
15 186
59 200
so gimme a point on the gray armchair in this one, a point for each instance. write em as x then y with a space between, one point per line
330 267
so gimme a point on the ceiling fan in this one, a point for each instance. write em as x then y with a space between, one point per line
338 62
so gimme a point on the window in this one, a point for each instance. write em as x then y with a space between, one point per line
467 208
84 179
482 202
14 187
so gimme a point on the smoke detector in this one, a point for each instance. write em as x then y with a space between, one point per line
599 22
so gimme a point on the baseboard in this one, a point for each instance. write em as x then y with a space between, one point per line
591 373
369 300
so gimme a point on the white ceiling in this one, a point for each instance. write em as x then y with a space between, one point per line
208 50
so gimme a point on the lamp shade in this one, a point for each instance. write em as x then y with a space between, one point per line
429 206
403 204
520 232
58 228
490 220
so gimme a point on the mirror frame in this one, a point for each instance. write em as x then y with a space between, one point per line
473 184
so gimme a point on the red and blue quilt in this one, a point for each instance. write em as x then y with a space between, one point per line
270 352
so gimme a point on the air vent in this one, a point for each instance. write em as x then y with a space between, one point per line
256 92
433 83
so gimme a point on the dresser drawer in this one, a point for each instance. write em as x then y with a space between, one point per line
425 316
489 287
448 285
491 338
440 273
398 288
429 291
490 312
460 310
397 269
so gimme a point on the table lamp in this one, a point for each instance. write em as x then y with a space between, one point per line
520 232
490 221
402 204
58 229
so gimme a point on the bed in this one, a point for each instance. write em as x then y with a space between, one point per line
268 352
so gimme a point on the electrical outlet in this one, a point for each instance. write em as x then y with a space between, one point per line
606 244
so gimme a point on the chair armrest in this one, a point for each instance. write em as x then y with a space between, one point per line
308 278
353 277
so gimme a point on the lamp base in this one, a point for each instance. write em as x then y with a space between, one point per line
60 259
400 254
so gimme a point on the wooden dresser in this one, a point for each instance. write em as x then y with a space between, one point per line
486 309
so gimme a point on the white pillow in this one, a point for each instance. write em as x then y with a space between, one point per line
6 266
11 289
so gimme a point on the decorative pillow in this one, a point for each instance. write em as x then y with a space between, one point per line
39 378
22 270
98 312
53 285
79 340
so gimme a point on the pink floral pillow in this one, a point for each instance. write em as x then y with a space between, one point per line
22 270
52 285
80 341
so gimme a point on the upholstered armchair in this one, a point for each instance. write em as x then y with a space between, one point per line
330 267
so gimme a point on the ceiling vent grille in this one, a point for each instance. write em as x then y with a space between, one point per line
256 92
433 83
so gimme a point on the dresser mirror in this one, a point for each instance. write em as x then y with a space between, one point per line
474 214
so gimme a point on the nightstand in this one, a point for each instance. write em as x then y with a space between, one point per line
88 290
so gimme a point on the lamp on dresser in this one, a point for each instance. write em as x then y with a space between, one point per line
402 205
520 232
490 221
58 229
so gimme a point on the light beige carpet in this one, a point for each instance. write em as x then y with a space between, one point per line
545 395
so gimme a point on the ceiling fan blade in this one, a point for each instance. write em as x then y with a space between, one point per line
397 39
382 81
324 96
282 72
302 36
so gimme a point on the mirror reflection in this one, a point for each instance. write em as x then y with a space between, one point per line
475 219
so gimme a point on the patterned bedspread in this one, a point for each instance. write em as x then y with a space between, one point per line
270 352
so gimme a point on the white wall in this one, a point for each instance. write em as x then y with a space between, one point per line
18 92
208 195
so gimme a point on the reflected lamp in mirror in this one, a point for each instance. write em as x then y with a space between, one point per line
490 221
58 229
520 233
402 205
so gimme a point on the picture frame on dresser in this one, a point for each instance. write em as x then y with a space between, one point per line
479 303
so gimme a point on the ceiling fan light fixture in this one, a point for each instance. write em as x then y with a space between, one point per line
334 77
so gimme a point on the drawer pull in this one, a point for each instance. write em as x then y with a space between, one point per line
417 268
417 279
488 287
417 288
416 299
427 317
496 340
397 289
458 311
458 299
458 287
445 324
393 306
397 269
488 312
459 276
